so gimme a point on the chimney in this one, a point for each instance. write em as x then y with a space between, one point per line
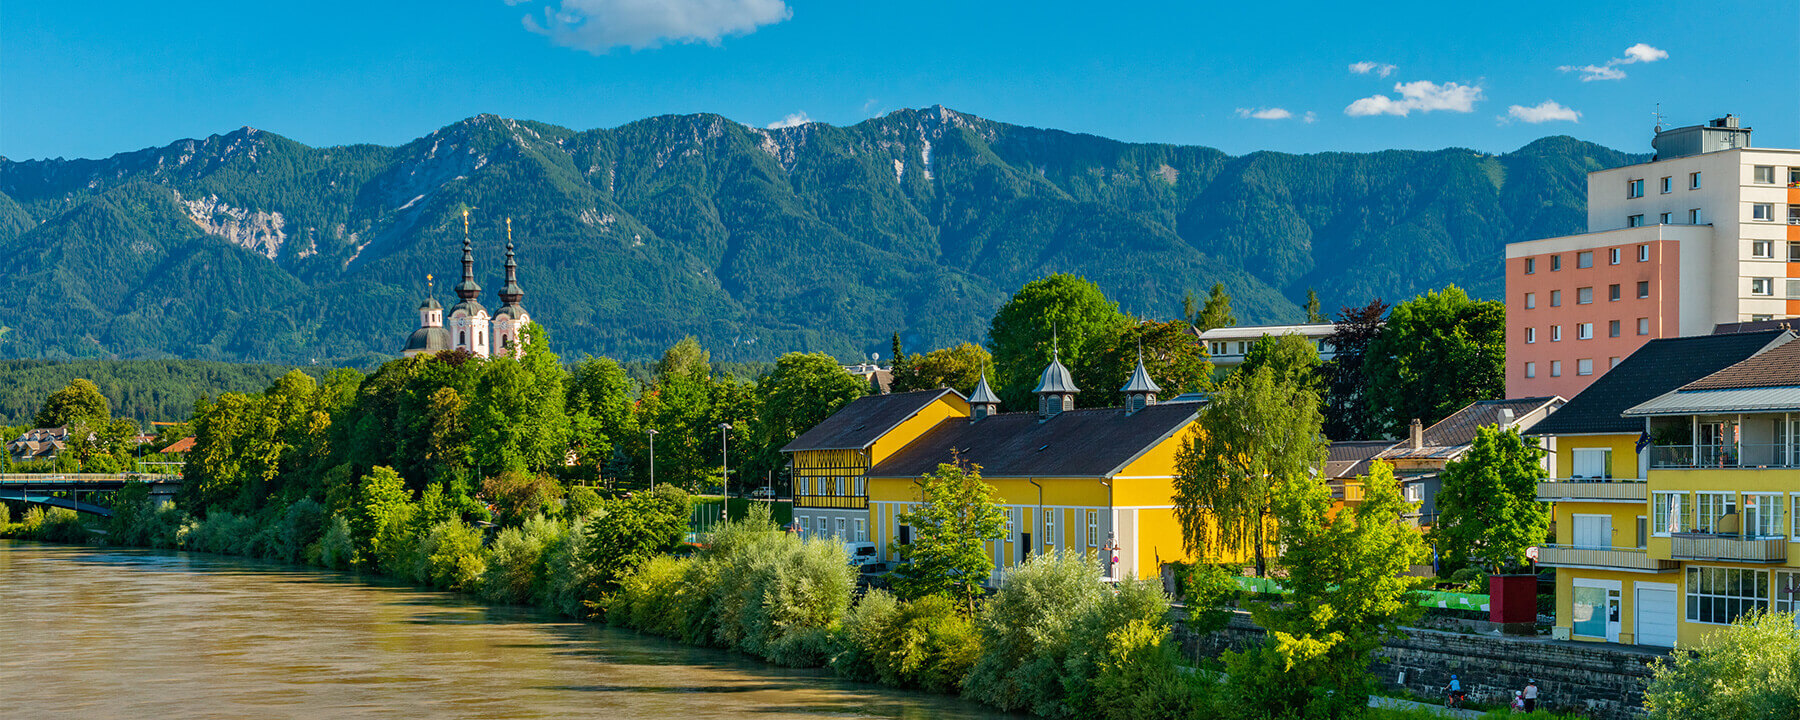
1506 418
1416 436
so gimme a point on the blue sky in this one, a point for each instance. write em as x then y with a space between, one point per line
94 78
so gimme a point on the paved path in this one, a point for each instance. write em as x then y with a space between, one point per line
1439 710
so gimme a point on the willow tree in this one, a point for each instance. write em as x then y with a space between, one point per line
1257 433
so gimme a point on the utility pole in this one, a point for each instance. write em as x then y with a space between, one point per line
652 432
725 469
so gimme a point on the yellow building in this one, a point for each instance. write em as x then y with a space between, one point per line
1652 463
1092 480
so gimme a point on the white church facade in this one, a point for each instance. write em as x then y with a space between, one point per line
469 326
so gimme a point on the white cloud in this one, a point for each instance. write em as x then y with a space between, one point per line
1310 117
600 25
1273 113
795 118
1421 95
1370 67
1546 111
1639 53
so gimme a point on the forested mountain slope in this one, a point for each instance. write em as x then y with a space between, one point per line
249 246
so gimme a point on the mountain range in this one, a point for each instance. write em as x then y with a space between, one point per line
249 246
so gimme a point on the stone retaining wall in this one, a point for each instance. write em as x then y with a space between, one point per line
1604 683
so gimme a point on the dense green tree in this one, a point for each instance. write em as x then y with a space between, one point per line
1217 311
1488 510
1315 313
517 419
686 358
1255 434
1292 359
958 367
1174 358
805 389
383 513
1348 592
602 422
1346 407
79 401
1751 670
626 532
948 554
1060 312
1437 353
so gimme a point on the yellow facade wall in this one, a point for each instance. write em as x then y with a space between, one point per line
1623 447
948 406
1565 598
1624 520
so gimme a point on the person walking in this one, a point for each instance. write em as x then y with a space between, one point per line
1530 695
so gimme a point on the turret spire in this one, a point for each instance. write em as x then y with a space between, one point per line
983 402
468 289
511 293
1056 389
1140 391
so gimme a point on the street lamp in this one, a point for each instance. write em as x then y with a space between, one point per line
725 469
652 432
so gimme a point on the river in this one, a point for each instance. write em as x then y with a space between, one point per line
126 633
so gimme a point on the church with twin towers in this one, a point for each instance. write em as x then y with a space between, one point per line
469 326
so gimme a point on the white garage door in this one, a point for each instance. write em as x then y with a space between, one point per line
1656 614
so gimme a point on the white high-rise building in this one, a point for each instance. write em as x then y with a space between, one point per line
1705 233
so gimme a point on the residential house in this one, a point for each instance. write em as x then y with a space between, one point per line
1229 345
1420 459
1609 587
40 444
1346 462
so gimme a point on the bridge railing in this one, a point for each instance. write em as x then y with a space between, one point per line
34 478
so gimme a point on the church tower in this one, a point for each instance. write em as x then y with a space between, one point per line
510 320
468 319
431 336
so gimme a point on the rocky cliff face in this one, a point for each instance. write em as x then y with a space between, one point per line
758 241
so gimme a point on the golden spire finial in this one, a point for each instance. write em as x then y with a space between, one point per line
428 284
465 223
509 231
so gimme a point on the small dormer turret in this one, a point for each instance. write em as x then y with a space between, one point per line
1055 390
983 402
1140 391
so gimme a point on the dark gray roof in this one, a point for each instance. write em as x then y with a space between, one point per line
1075 443
1140 381
1055 379
428 339
1656 368
430 304
859 424
1350 458
513 311
1447 437
468 307
983 394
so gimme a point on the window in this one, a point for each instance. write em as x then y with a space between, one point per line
1762 286
1761 317
1584 331
1793 289
1643 326
1555 298
1216 347
1049 530
1584 296
1764 249
1721 595
840 486
1555 368
838 533
1643 289
1530 335
1694 216
1612 328
1612 256
1530 266
1794 176
1555 263
1555 333
862 530
1793 251
1763 175
1762 514
1668 184
1694 181
1531 372
1710 507
1584 366
1415 492
1530 300
1634 189
1644 251
1612 292
1762 211
1666 218
1584 259
1093 528
1669 513
1634 220
1611 363
1793 214
1593 462
805 525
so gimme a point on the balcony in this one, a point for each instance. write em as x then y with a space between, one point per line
1633 559
1745 455
1730 548
1592 490
1347 492
833 502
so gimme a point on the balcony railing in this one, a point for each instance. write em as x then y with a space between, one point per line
1348 492
837 502
1735 548
1747 455
1595 490
1599 557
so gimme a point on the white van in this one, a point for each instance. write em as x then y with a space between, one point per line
861 553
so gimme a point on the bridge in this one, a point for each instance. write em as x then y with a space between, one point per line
42 488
